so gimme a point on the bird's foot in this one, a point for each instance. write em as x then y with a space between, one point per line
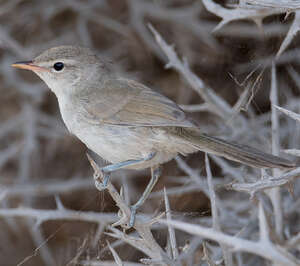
101 180
127 221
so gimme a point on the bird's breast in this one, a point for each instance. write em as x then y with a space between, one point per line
121 143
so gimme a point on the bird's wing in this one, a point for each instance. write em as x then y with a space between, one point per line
129 103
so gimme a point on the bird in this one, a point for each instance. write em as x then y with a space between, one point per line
127 123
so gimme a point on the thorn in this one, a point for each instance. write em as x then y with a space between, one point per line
156 219
58 202
258 22
287 14
93 164
38 223
151 28
122 192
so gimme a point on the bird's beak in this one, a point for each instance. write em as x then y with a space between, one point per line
28 65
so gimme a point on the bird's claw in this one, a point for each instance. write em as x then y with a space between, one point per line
126 221
101 180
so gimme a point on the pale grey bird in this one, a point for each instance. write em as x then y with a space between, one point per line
125 122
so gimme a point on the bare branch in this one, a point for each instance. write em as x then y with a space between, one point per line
267 182
218 105
238 244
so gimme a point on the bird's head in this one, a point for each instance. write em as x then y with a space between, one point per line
65 68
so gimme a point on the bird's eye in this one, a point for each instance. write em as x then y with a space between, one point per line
58 66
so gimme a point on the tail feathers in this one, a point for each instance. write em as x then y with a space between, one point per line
237 152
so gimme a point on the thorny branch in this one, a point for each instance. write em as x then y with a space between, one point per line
211 44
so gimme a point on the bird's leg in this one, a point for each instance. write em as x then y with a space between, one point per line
155 174
106 170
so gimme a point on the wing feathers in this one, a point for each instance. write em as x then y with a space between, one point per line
126 102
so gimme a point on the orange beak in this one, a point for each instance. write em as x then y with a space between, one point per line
28 65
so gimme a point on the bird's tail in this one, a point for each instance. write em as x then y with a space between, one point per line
235 152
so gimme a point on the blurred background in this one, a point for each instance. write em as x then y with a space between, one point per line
43 167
